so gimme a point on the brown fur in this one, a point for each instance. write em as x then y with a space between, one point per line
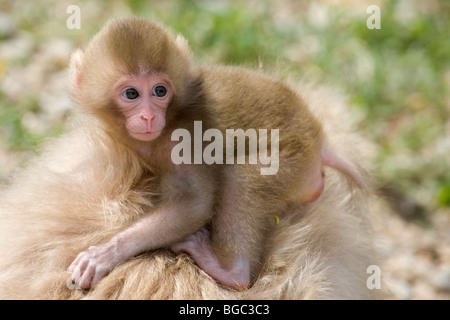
80 193
245 99
319 253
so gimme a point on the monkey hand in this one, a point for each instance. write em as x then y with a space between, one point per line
92 265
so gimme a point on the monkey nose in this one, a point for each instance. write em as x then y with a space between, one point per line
147 118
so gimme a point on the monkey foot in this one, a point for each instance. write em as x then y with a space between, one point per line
197 242
198 246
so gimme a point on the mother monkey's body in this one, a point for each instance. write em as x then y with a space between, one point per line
99 185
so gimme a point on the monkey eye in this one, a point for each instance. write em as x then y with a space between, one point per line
130 94
160 91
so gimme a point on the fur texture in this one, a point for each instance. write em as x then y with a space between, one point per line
89 184
58 207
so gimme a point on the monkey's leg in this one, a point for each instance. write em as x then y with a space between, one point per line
246 214
240 227
234 250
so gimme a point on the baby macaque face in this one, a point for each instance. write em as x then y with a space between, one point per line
143 101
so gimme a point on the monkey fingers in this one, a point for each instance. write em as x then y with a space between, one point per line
198 246
92 265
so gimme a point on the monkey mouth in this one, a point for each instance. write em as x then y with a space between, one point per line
145 135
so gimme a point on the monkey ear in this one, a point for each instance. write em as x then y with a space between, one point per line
76 64
182 43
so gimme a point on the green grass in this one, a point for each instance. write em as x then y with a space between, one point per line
17 137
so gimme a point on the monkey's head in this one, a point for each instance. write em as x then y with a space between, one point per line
131 73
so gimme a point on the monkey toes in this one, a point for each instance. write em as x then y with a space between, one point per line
198 245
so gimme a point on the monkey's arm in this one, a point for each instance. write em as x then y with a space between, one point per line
182 214
158 229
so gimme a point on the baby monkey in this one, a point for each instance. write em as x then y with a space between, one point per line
141 83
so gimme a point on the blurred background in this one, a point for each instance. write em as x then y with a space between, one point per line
397 79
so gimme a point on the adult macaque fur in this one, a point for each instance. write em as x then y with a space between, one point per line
79 193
